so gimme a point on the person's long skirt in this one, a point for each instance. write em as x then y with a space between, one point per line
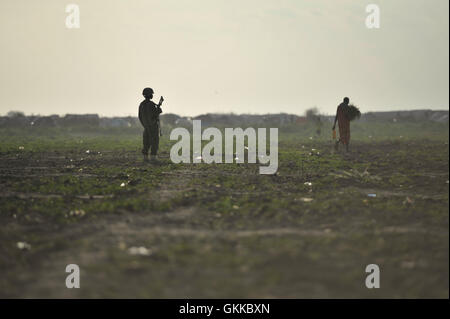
344 132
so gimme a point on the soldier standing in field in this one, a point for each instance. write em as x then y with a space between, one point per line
344 124
149 118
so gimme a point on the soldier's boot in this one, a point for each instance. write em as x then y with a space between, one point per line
145 157
154 158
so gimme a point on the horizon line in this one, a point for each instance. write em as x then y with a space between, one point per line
223 113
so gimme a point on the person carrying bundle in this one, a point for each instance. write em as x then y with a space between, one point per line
344 124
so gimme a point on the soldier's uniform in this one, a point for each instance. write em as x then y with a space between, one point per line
149 118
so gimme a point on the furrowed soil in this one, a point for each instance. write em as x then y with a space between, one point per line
165 230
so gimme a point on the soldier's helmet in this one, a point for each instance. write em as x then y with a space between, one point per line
147 91
346 100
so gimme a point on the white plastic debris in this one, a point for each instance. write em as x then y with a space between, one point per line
23 245
77 213
88 151
139 251
306 199
308 183
408 201
21 148
122 185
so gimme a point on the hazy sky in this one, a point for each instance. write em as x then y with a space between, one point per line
237 56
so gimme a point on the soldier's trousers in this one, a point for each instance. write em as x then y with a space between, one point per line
151 140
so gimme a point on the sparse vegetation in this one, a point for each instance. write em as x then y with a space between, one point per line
223 230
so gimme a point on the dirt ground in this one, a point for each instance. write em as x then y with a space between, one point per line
140 230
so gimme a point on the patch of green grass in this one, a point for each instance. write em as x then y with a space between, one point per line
224 230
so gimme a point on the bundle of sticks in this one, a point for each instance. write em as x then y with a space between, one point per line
352 112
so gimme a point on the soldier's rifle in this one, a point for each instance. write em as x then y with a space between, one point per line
161 99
